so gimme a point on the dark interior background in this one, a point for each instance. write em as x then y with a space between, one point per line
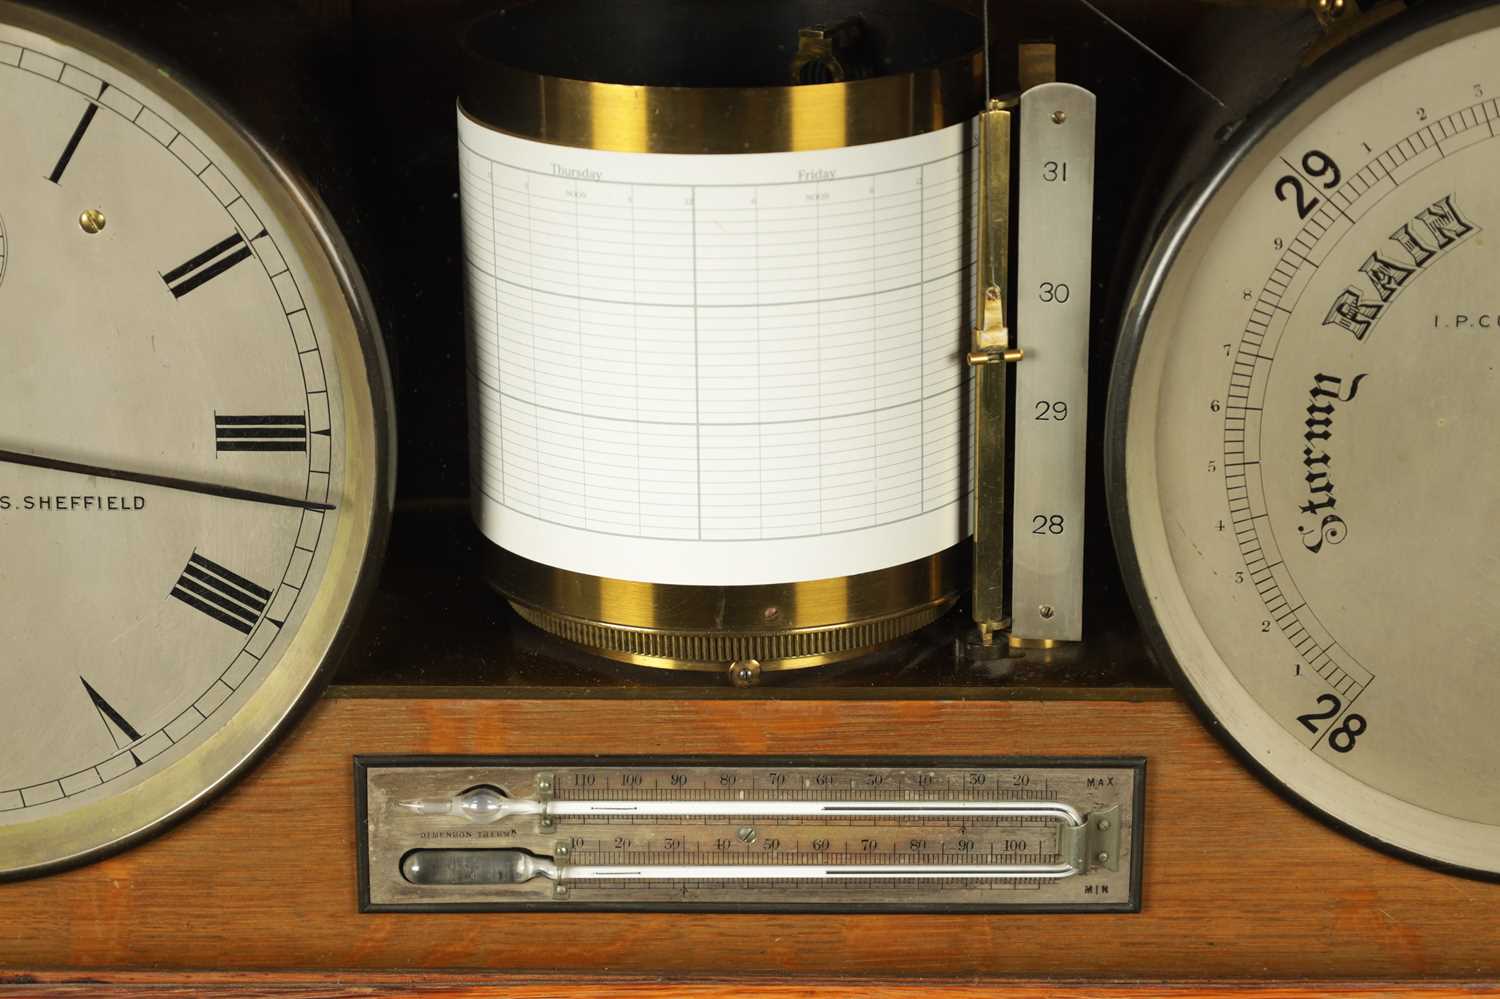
360 95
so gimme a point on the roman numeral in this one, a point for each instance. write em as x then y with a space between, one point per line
224 596
260 433
207 265
108 714
72 147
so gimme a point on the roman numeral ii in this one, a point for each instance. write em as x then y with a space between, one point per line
207 265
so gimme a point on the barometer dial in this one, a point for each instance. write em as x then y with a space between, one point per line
193 445
1304 411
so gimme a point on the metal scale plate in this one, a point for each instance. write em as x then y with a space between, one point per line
720 834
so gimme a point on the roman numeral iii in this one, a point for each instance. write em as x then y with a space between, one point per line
226 597
260 433
207 265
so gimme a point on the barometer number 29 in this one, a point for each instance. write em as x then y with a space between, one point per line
1319 167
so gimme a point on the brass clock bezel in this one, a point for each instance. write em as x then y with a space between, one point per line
117 821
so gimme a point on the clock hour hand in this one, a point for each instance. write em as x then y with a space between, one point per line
164 481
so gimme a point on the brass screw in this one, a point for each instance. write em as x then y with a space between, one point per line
1046 612
1103 857
92 221
744 672
1058 117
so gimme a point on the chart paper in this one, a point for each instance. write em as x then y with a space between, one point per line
718 369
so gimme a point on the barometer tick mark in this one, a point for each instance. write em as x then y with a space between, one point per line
1293 253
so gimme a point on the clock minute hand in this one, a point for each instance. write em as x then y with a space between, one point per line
164 481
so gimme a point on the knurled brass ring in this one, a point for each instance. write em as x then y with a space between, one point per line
712 651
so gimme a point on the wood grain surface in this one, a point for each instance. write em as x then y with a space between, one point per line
272 985
1238 883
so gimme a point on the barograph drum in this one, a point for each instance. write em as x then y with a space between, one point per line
719 283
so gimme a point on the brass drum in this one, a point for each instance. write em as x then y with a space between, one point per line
705 372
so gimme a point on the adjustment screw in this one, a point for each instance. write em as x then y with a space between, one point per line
746 834
92 221
1046 612
744 672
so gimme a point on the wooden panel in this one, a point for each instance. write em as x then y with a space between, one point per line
1238 883
252 985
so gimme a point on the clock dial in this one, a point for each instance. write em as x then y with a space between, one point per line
193 445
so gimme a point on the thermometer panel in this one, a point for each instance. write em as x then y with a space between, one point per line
731 834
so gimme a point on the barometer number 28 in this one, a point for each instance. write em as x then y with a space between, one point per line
1342 737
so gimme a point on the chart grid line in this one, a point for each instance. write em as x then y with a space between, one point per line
761 360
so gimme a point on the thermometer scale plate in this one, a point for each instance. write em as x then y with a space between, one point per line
1301 441
738 834
1056 252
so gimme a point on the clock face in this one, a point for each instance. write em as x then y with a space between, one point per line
191 443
